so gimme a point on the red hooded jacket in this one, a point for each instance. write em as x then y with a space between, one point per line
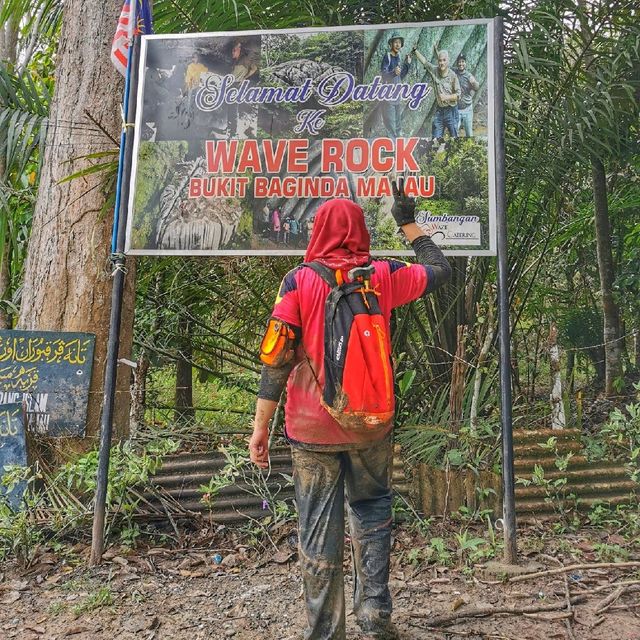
339 240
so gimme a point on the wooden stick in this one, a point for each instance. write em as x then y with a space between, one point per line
612 598
624 583
609 600
567 595
574 567
473 612
568 615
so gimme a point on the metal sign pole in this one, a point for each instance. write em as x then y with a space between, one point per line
508 509
106 422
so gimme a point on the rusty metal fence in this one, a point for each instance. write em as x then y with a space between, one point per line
180 477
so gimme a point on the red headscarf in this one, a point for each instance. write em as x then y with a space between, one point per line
339 239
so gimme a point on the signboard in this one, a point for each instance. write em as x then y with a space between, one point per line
13 448
241 136
50 372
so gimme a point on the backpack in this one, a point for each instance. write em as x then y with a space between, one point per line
358 373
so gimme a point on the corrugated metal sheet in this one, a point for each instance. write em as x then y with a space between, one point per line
590 482
180 476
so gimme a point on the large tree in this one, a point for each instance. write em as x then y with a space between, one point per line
67 283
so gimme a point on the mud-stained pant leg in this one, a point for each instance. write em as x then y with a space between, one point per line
368 489
319 486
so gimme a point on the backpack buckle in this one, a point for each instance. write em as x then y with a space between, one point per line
361 272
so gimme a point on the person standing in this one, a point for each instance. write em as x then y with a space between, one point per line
447 88
294 229
468 87
275 224
286 230
393 71
330 460
241 69
266 217
194 71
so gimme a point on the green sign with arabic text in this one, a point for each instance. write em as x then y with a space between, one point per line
50 372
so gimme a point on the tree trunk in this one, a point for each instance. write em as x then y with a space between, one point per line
185 412
606 270
139 393
482 356
458 371
558 418
67 280
571 368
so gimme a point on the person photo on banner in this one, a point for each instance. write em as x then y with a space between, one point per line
447 88
393 71
185 105
275 224
286 230
242 68
294 229
468 87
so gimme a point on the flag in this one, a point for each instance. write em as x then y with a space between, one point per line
125 31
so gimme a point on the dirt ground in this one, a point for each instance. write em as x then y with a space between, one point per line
217 592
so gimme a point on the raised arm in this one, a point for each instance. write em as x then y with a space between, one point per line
427 252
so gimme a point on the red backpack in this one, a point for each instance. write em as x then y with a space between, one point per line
358 372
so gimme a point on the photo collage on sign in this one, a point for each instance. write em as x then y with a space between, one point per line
224 118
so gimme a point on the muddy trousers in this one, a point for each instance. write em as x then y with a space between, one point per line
321 480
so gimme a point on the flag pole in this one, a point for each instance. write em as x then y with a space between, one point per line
506 403
119 273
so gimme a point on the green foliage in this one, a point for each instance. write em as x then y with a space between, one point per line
67 495
619 438
24 103
154 161
437 552
241 472
19 534
472 449
103 597
383 229
610 552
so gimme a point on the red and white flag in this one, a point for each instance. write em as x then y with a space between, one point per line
122 38
126 29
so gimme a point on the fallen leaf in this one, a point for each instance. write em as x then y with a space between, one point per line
282 557
80 628
10 597
40 568
230 561
457 603
35 628
119 560
19 585
192 574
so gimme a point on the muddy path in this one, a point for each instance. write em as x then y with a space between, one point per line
218 592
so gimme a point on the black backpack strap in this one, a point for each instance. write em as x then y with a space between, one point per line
327 274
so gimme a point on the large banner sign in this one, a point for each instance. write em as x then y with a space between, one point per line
240 137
